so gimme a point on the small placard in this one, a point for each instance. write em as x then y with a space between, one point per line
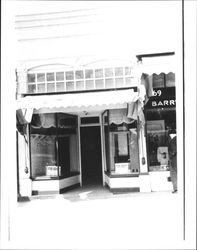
122 168
53 171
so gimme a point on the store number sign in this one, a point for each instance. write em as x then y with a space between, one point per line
161 98
157 92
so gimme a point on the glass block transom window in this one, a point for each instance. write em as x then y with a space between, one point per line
80 80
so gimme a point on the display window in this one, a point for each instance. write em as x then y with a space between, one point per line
159 123
160 114
121 143
53 146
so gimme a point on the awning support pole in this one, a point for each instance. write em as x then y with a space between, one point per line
102 148
79 149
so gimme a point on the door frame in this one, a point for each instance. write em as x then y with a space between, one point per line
102 152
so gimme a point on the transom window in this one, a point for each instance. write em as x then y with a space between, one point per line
80 80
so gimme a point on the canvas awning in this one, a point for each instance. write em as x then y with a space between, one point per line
77 102
157 65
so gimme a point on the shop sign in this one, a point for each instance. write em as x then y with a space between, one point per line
163 93
162 98
163 103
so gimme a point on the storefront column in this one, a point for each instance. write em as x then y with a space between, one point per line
102 148
142 150
25 184
79 149
141 129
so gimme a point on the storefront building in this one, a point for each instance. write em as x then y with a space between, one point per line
98 125
158 75
107 125
78 127
82 110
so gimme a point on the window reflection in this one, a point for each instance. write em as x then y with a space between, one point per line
121 147
40 77
159 123
53 143
119 71
69 86
89 73
69 75
50 77
42 154
51 87
109 72
119 82
128 81
60 86
79 74
121 143
127 71
98 73
32 88
31 77
109 83
59 76
41 88
89 84
99 84
80 85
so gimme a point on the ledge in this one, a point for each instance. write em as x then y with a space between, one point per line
121 175
48 178
80 91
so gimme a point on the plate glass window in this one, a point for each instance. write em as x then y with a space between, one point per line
98 73
31 78
69 75
50 77
60 76
40 77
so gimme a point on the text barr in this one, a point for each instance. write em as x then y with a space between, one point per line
163 103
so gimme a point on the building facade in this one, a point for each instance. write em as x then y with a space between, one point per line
86 116
86 131
158 77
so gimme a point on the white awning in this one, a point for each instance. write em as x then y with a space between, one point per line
77 102
157 65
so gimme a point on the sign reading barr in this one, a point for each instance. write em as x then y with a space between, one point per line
53 171
162 98
121 168
163 103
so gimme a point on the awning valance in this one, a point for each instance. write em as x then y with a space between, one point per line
119 116
157 65
77 102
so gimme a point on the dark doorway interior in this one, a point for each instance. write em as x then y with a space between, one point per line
64 155
91 155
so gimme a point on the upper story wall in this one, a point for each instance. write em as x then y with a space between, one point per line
71 31
83 35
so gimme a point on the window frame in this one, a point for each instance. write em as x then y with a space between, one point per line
57 135
109 133
126 75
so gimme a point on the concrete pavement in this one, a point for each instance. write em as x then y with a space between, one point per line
94 218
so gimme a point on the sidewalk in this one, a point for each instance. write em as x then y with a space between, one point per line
98 219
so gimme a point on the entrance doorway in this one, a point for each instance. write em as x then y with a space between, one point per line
91 155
